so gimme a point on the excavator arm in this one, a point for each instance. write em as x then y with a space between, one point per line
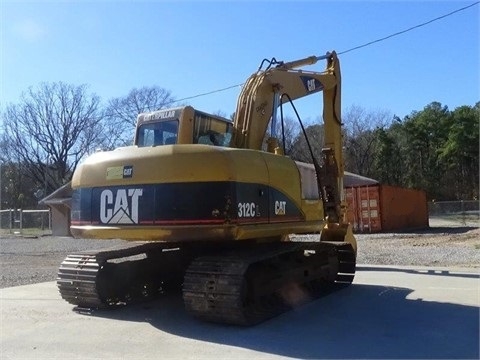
265 90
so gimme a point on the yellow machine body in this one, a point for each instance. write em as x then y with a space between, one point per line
225 187
246 194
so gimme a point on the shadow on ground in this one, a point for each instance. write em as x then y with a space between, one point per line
448 229
437 272
361 321
432 230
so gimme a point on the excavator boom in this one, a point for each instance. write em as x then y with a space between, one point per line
266 89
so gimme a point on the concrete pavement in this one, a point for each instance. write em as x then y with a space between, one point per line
389 312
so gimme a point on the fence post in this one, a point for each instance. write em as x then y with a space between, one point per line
21 221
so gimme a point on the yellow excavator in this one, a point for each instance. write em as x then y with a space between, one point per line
209 205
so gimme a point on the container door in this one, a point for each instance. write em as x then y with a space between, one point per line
368 198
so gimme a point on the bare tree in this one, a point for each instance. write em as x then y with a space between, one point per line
360 136
3 145
287 137
300 150
50 130
121 113
220 113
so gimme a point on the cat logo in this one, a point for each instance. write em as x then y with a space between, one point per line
280 207
120 172
161 114
120 207
311 84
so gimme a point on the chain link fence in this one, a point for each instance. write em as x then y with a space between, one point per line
25 222
454 213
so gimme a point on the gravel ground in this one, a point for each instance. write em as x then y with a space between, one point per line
32 260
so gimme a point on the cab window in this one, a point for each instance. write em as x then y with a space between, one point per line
211 131
157 133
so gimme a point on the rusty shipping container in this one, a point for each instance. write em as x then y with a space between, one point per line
377 207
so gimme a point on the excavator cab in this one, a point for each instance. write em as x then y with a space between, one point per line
184 125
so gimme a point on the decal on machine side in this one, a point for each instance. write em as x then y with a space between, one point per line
283 209
161 115
311 84
247 210
119 172
280 207
183 204
120 206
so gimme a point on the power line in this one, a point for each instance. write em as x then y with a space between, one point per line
407 30
203 94
349 50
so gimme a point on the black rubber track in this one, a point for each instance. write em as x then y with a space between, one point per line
250 287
